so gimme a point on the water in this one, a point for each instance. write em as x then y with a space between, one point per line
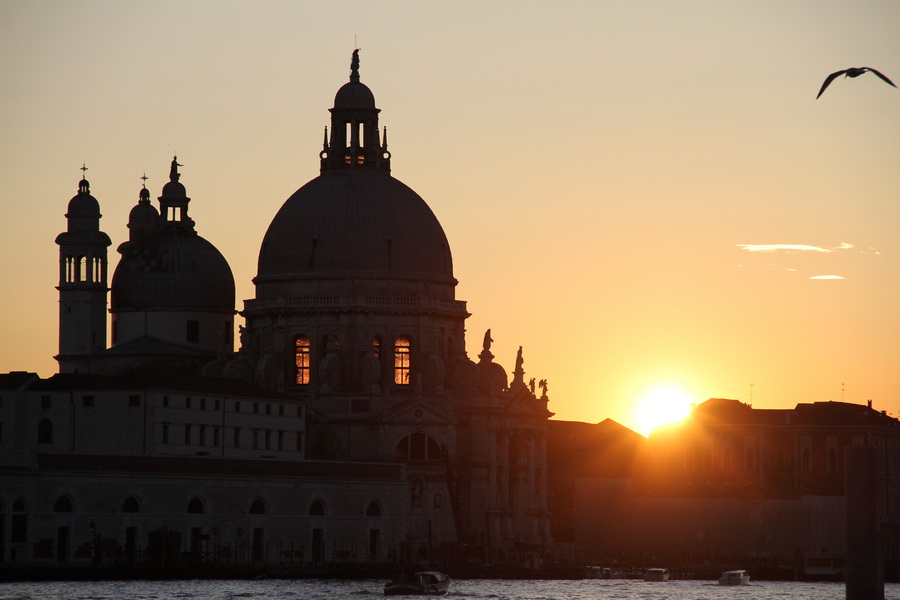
476 589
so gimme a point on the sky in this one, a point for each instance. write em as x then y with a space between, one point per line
638 193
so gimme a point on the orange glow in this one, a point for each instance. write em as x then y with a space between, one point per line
662 404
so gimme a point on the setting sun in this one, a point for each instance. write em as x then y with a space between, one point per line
662 404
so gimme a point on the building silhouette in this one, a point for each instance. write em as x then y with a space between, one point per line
348 426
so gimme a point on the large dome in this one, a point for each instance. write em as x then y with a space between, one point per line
172 270
355 223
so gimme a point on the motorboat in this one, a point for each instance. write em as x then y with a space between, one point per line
422 583
736 577
656 574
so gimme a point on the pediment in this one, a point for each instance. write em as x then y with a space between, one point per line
418 411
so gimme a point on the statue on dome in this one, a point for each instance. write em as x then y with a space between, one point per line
543 385
486 345
174 175
354 63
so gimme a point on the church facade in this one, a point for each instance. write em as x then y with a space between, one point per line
346 426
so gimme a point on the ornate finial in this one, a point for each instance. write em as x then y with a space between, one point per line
354 66
174 175
83 185
145 178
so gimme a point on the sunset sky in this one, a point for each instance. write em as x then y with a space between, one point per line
635 192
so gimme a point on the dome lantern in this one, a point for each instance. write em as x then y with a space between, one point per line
354 141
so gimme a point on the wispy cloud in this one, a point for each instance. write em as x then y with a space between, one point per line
792 247
826 277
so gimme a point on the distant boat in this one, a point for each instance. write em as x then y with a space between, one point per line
656 574
823 567
736 577
423 583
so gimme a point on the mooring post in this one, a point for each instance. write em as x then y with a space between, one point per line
864 564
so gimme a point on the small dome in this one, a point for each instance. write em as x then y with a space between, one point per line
354 95
83 204
174 189
172 270
143 215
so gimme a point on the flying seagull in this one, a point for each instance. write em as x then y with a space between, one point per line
851 72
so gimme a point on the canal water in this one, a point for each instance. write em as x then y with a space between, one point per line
476 589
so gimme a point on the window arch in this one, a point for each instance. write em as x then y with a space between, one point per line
131 505
401 360
317 508
373 510
63 504
301 360
45 431
195 507
418 446
258 507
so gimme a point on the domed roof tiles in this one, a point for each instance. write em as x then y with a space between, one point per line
172 269
360 223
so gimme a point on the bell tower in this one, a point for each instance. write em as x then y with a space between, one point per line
82 282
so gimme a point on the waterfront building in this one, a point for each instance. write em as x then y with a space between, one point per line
348 427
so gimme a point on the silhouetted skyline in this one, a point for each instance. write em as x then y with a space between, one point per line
633 194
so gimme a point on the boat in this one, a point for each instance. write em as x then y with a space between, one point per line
736 577
422 583
823 567
656 574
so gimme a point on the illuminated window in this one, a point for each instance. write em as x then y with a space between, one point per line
401 360
301 359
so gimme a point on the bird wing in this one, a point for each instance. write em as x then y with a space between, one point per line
883 77
829 79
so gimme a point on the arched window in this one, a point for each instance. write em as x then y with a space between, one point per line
401 360
317 508
70 269
301 360
97 274
195 507
373 510
418 446
62 504
45 431
258 507
131 505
